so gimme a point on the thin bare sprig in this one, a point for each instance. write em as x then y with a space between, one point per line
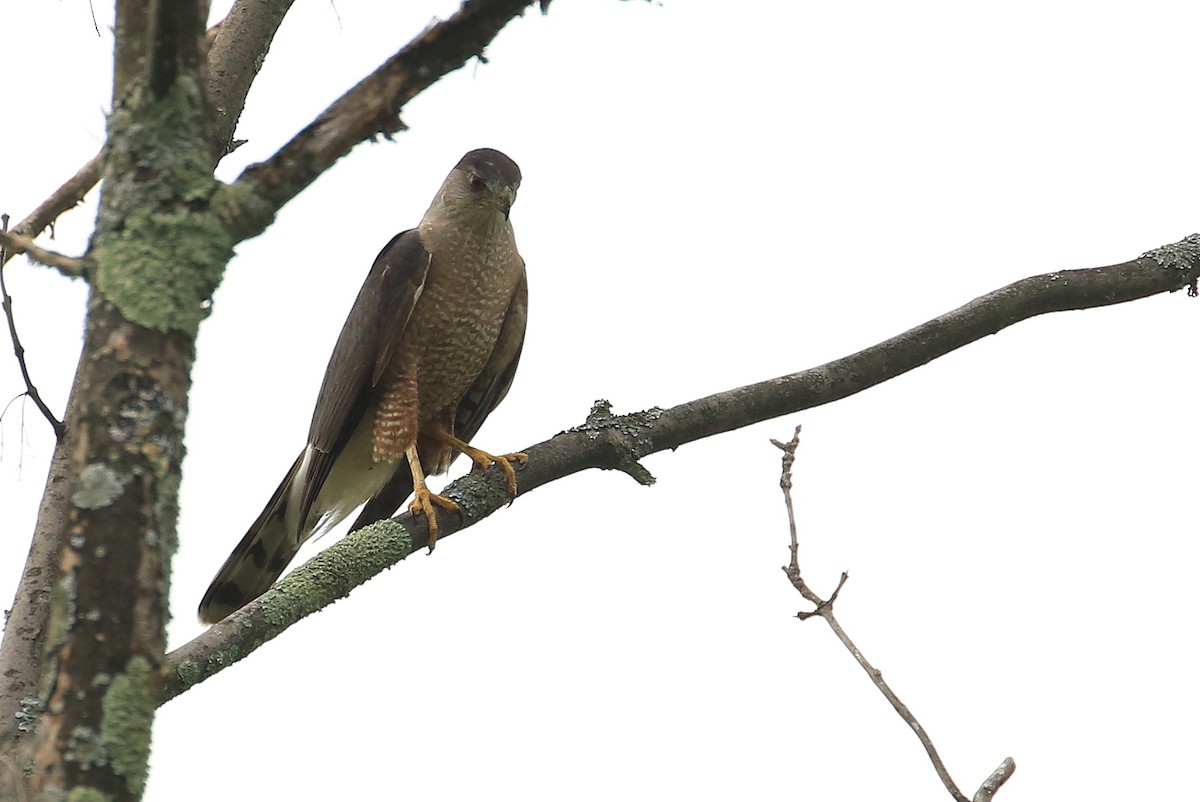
18 349
824 609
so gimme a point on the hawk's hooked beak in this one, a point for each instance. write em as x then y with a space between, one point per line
507 196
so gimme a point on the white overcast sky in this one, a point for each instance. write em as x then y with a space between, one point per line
714 194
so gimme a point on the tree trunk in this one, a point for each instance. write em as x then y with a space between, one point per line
108 525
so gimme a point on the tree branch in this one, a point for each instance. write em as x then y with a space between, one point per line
12 244
238 51
173 25
369 109
617 442
66 197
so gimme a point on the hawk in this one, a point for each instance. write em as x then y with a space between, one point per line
428 350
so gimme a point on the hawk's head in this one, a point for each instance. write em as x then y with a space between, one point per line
484 179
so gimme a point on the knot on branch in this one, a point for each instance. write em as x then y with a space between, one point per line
627 436
1183 256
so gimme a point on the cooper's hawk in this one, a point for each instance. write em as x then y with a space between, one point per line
428 351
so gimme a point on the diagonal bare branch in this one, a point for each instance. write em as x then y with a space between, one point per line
370 109
239 47
614 442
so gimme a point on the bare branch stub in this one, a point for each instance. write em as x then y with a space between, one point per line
18 348
998 778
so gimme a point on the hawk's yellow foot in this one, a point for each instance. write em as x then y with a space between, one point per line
423 499
423 503
485 460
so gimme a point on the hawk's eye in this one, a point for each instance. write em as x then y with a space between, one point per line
476 182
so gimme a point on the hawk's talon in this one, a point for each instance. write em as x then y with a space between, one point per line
505 461
485 460
423 503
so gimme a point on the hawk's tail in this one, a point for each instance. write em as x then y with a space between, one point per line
258 560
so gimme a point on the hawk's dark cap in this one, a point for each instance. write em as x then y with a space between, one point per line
493 166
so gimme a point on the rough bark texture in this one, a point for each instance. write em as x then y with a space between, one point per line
108 609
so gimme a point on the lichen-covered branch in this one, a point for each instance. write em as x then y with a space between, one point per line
617 442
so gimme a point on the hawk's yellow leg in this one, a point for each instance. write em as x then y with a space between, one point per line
423 500
485 460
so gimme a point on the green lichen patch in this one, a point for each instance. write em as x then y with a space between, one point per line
162 268
128 710
85 793
160 251
336 571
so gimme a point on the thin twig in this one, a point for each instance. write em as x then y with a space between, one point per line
824 609
22 443
67 196
785 483
19 349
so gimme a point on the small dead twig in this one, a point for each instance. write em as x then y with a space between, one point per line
69 266
992 784
18 349
824 609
